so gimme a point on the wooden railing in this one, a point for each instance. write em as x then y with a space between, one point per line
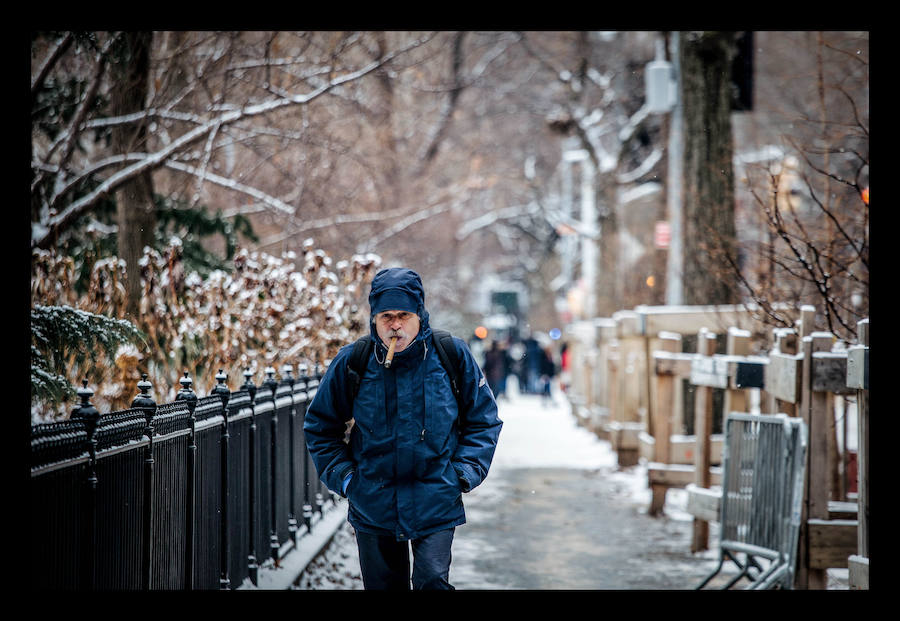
633 384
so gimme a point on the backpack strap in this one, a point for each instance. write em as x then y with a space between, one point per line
446 349
356 365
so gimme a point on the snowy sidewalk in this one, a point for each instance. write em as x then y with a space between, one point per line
556 512
310 546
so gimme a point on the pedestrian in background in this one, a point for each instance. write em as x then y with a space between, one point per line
532 363
517 367
548 372
496 368
564 374
413 449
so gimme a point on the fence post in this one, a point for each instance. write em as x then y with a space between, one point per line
663 408
862 410
784 341
224 393
308 468
252 564
188 395
703 420
288 371
666 401
146 403
814 411
613 365
272 383
89 414
736 399
858 377
320 497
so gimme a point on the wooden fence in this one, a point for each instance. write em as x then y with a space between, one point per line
193 494
633 383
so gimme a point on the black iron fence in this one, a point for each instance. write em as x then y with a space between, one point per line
193 494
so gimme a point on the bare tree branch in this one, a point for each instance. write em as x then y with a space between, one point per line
68 137
406 222
160 157
449 106
62 44
231 184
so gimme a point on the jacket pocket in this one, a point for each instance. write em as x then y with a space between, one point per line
440 413
439 498
442 435
374 455
369 501
368 408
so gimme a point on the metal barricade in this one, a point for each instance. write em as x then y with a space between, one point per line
763 467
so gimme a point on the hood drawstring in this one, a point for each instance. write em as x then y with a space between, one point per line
425 355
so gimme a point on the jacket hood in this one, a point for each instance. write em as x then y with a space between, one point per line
398 288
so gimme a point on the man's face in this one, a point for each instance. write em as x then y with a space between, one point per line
402 324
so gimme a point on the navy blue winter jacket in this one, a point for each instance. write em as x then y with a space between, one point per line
411 451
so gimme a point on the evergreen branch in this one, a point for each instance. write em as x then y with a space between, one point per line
60 333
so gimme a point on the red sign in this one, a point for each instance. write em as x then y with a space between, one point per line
662 234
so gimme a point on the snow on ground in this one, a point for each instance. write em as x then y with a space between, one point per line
337 568
540 435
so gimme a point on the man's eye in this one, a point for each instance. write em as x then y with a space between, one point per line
390 318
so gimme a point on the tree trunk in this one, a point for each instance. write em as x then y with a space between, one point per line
708 225
392 183
135 210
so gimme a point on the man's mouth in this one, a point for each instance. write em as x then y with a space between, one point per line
401 340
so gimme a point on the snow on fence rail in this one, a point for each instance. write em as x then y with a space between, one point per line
629 383
194 494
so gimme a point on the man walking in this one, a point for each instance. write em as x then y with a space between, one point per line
415 444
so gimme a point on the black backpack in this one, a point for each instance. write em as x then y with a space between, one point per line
443 343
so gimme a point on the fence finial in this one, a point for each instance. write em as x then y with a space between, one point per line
270 380
221 388
249 386
186 393
143 400
85 410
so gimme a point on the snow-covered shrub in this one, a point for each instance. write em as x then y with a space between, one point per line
268 311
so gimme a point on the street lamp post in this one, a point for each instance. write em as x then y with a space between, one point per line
663 85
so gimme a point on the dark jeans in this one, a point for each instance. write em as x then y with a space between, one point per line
384 561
